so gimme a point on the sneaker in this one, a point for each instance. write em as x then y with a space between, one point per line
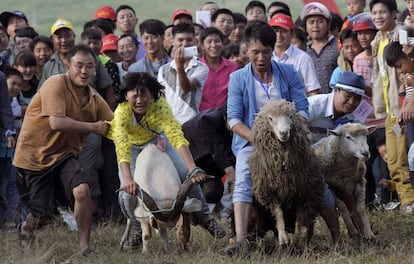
134 242
214 228
408 210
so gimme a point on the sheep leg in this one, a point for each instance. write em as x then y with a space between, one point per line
362 212
164 234
146 233
126 234
280 225
352 231
183 231
298 228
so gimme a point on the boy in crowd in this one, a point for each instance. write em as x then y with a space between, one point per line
322 48
152 35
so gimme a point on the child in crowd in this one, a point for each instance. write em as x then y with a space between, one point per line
350 48
14 213
25 63
385 191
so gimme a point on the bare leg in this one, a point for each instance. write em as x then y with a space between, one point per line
83 214
241 219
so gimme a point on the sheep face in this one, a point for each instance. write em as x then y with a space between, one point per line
354 137
281 126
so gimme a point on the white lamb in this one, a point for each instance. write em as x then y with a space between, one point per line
156 174
342 157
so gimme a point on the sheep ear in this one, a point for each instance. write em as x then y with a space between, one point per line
371 129
333 132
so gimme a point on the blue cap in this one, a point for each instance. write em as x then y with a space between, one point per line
351 82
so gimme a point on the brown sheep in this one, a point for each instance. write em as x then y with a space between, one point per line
284 170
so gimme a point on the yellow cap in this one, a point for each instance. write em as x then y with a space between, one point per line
61 23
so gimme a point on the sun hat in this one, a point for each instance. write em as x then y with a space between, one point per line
362 21
109 42
5 16
315 9
283 21
61 23
181 12
351 82
105 12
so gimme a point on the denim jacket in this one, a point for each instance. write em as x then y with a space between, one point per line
241 100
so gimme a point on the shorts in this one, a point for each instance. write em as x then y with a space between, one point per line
44 190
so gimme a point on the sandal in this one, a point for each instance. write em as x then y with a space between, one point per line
26 237
87 252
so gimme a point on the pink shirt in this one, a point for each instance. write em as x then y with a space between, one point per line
215 88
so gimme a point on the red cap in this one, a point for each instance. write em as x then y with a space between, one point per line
109 42
181 12
362 21
105 12
283 21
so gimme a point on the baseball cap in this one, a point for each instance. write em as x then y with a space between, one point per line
351 82
61 23
5 16
362 21
283 21
314 9
109 42
105 12
181 12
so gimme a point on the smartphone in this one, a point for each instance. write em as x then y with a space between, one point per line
189 52
403 37
203 18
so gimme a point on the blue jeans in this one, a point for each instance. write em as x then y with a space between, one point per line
243 187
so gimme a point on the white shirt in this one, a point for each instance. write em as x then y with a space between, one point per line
303 64
183 105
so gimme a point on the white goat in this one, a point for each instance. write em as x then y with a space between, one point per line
342 157
156 174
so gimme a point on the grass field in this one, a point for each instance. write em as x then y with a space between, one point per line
42 13
395 243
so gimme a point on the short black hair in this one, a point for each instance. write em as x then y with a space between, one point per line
122 7
233 49
259 30
25 58
390 4
140 81
335 22
103 24
43 39
183 28
210 31
239 18
129 35
393 53
280 4
346 34
8 71
280 11
80 48
255 3
91 33
222 11
28 32
153 27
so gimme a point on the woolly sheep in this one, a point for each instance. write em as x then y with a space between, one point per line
157 175
284 171
342 157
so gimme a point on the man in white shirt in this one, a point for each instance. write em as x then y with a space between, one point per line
184 77
285 52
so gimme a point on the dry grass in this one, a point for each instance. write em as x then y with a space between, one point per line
395 244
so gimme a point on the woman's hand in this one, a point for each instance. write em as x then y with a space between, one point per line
130 186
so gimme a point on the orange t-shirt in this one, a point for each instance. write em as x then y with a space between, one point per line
38 146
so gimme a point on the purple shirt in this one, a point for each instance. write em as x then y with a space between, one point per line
215 88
